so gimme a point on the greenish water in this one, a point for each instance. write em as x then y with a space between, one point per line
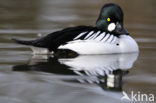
25 78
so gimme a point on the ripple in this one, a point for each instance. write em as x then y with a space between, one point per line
25 31
146 40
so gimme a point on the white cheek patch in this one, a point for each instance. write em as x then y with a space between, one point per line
111 26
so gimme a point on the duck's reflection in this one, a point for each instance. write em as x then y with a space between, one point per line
105 70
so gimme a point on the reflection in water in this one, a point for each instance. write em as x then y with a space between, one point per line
106 71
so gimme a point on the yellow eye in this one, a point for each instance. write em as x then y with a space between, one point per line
108 19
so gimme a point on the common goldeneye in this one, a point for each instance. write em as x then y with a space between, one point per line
106 37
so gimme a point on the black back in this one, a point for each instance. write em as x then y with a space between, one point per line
53 40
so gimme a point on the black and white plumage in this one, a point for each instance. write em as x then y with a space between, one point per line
53 40
108 36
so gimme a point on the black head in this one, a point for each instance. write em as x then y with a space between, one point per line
111 19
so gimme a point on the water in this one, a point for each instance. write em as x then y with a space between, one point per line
25 78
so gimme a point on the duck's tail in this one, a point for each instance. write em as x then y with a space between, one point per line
44 42
24 42
36 47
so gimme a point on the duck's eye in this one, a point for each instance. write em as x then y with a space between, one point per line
108 19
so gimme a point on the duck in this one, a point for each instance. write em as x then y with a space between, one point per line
107 36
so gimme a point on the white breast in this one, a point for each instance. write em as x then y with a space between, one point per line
105 46
128 44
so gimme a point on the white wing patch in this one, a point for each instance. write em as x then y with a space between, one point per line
110 39
105 38
94 35
98 36
115 40
89 38
89 34
81 34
